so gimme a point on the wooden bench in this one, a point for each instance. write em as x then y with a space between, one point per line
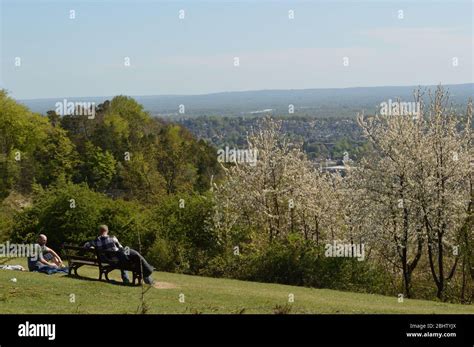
79 256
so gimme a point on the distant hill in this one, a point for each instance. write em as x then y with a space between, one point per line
333 102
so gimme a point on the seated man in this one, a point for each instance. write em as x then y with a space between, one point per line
45 260
106 242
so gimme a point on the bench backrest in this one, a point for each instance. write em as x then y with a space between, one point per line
81 254
90 256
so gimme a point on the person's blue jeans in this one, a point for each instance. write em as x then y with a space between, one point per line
40 267
124 274
125 277
50 270
136 258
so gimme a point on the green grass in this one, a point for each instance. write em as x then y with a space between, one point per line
40 293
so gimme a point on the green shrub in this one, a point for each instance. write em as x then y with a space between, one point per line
71 213
162 256
296 261
182 230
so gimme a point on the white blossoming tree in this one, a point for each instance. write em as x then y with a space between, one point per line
414 191
283 193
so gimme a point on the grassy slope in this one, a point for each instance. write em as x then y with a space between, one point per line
39 293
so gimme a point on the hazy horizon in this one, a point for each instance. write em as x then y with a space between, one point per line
246 91
317 101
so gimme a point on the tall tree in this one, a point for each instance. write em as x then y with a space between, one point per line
416 185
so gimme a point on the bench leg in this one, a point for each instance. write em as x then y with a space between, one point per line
105 271
107 274
137 277
73 268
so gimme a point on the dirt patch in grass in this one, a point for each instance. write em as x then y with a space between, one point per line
164 285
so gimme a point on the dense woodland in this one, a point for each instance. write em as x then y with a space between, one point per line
320 138
161 190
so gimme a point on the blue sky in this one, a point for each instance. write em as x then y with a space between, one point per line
85 56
